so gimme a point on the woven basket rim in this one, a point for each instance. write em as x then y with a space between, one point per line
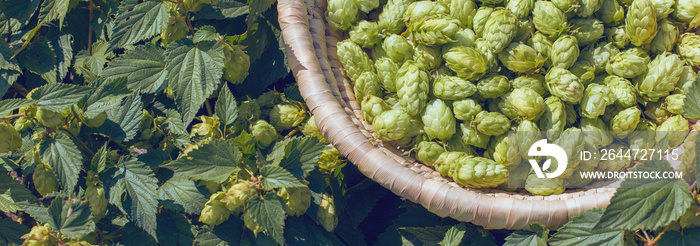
310 45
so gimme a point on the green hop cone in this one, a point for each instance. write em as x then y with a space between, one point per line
287 115
520 8
493 86
480 18
419 10
196 5
354 60
675 129
611 13
250 223
209 127
50 119
687 79
617 35
656 111
595 98
236 65
482 45
625 121
500 29
311 129
615 164
326 215
367 5
330 159
492 123
176 29
596 132
689 48
564 52
674 103
264 133
504 151
10 139
564 85
520 58
472 136
412 85
433 30
448 162
397 48
367 84
428 152
39 235
464 11
688 11
372 107
534 82
553 119
427 57
623 89
341 14
567 6
640 22
366 34
452 88
296 200
94 122
661 76
215 211
549 19
545 186
629 63
386 72
663 8
525 31
45 180
525 103
587 31
23 124
526 135
392 124
589 7
391 17
95 195
466 109
584 70
479 172
542 44
599 54
572 141
237 195
666 37
464 37
438 120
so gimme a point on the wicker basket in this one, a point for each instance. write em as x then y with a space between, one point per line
311 51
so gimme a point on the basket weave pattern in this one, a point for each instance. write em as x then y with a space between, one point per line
311 51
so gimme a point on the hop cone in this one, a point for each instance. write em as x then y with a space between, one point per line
643 136
466 109
656 111
354 59
623 89
666 38
464 37
689 49
553 119
397 48
661 76
50 119
464 11
640 22
524 31
22 124
237 195
520 8
433 31
480 18
390 19
544 187
587 31
534 82
520 58
176 29
237 64
412 85
482 45
438 120
39 235
688 11
572 141
492 123
428 152
472 136
584 70
95 195
567 5
493 85
311 129
564 52
11 140
599 54
215 211
427 57
367 84
625 121
504 151
629 63
491 2
264 133
589 7
326 215
448 162
615 164
564 85
250 223
596 132
500 29
526 103
687 79
542 45
287 115
341 14
526 135
675 103
392 124
367 5
467 62
611 13
549 19
675 129
452 88
330 159
372 106
420 10
595 98
366 34
45 180
296 200
479 172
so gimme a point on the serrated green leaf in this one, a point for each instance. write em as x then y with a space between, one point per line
579 231
181 194
64 157
278 177
264 71
122 123
99 161
268 213
691 103
71 217
225 107
428 235
10 232
257 7
213 161
15 14
246 143
685 237
12 192
230 232
361 201
454 236
8 105
223 9
173 122
297 155
96 59
57 97
64 54
144 67
137 21
194 72
55 10
140 185
205 33
136 236
109 95
39 58
38 213
646 204
9 69
175 229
